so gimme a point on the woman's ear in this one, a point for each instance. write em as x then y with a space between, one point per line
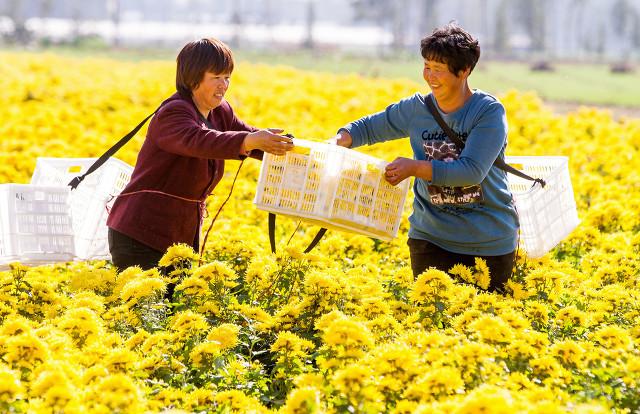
464 73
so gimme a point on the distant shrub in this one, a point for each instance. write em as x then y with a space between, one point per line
542 66
622 67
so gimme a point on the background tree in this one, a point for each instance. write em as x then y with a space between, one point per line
501 34
384 13
310 20
430 16
531 14
113 10
14 10
575 20
635 35
236 21
45 9
77 9
623 17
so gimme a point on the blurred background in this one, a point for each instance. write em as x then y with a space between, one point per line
585 40
601 30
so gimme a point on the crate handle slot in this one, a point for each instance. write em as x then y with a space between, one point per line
74 169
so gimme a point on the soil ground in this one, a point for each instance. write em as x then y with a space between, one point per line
562 108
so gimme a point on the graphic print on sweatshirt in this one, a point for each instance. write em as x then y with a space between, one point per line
443 150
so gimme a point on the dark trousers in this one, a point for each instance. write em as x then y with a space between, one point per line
425 254
127 252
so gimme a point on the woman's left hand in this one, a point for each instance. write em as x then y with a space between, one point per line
268 140
399 169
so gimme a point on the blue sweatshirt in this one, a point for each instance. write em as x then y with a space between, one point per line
467 207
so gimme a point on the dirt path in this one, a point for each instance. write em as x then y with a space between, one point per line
617 111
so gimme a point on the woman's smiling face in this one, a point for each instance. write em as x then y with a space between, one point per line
442 82
210 91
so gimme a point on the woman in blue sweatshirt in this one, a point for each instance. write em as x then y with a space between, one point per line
462 207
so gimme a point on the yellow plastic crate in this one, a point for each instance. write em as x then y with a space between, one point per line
333 187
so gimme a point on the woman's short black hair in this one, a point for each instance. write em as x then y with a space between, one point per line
198 57
452 45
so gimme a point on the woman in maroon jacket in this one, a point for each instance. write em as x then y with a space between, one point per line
182 159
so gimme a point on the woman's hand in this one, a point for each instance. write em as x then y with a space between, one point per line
400 169
269 141
342 138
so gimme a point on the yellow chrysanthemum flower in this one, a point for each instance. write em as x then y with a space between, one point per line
136 339
177 255
51 375
613 337
94 373
120 360
93 278
463 272
140 289
226 335
158 341
189 323
209 309
290 345
302 401
217 273
237 401
193 286
492 329
347 334
253 313
16 325
118 393
537 312
25 351
82 324
436 383
487 399
431 284
203 353
10 385
123 278
570 316
481 274
569 353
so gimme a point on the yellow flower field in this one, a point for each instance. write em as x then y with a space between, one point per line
345 328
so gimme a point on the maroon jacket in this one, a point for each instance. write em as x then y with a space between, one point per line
182 158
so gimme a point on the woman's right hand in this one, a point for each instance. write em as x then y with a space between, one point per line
342 138
269 141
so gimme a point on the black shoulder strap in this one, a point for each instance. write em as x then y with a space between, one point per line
110 152
272 235
499 162
443 125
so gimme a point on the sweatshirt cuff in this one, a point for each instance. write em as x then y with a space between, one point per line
438 172
355 141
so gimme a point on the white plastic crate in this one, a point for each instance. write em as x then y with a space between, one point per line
333 187
547 215
35 225
90 201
